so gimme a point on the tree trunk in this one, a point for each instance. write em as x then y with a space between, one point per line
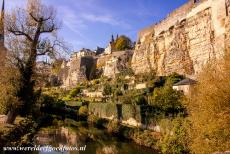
11 116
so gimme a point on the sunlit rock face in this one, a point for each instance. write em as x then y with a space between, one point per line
116 63
187 39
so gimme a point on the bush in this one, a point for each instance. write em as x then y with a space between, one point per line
108 90
157 82
83 111
20 134
168 100
174 136
57 122
123 43
209 109
174 78
146 138
140 100
75 92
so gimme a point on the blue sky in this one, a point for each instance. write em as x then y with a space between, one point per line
90 23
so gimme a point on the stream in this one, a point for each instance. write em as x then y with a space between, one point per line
91 139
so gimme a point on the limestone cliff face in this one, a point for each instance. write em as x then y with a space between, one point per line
186 40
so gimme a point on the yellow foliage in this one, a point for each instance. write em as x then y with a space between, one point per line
100 65
123 43
83 111
209 109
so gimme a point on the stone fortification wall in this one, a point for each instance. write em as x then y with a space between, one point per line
80 69
183 42
166 23
114 63
77 70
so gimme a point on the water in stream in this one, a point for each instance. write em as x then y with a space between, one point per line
96 141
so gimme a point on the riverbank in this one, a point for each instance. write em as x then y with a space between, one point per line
141 137
171 137
95 130
19 134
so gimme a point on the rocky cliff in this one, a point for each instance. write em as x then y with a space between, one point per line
187 39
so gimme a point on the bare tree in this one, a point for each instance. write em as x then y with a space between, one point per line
31 33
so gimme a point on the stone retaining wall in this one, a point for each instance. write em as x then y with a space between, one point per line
133 115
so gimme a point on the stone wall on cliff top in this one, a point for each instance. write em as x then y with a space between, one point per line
77 70
114 63
183 42
117 64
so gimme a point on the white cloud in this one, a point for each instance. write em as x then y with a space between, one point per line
72 21
77 17
106 19
77 21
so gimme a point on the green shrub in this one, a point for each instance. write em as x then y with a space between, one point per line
174 78
75 92
55 92
55 122
83 111
140 100
107 90
144 77
67 98
174 137
168 100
